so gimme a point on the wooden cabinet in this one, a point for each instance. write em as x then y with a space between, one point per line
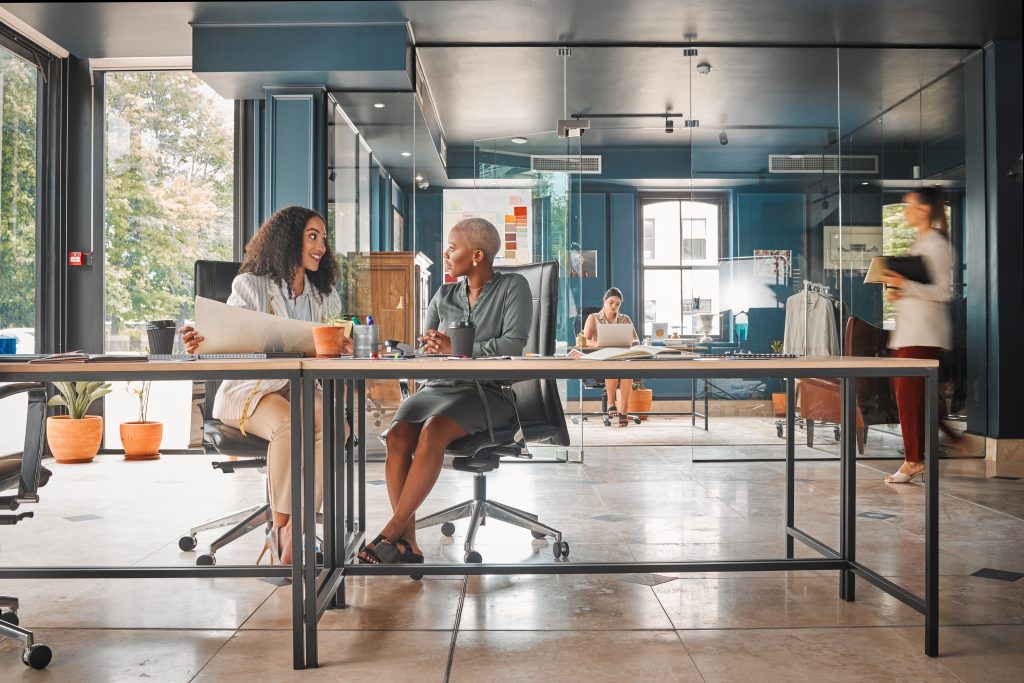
393 287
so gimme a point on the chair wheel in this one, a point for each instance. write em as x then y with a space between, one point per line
206 560
835 433
10 618
448 529
560 549
37 656
607 422
473 557
187 543
538 534
416 577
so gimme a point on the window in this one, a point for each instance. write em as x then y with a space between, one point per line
19 86
168 201
897 237
680 278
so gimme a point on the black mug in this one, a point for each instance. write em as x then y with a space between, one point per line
161 335
462 334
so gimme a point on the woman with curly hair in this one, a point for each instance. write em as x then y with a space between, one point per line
289 270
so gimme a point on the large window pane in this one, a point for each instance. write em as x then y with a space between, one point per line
167 202
18 89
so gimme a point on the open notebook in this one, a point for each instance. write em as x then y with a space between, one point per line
638 351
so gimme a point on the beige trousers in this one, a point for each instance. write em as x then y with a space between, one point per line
271 420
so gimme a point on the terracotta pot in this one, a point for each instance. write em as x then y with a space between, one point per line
74 440
141 440
779 405
640 402
328 341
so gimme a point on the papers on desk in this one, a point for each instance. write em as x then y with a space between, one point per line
637 351
231 329
80 357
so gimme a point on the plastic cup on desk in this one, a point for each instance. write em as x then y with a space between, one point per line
364 341
161 335
462 333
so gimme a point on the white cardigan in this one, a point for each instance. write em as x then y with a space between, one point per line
922 313
259 293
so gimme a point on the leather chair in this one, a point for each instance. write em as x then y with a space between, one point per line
24 472
540 420
213 281
876 404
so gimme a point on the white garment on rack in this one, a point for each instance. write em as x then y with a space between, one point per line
822 338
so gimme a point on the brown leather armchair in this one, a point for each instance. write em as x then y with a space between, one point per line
876 404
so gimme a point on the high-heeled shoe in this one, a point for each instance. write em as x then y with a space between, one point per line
900 478
273 545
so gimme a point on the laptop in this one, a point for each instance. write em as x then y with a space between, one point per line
617 335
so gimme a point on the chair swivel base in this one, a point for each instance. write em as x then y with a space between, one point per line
33 654
241 523
479 509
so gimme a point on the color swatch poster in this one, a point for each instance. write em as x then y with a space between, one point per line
507 209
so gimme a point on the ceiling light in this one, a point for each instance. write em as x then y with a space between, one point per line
864 182
406 154
379 105
723 138
419 177
518 141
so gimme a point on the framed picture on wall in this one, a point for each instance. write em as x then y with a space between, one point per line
851 247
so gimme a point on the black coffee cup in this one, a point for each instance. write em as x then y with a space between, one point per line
161 335
462 333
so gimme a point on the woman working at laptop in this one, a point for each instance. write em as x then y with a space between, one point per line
609 315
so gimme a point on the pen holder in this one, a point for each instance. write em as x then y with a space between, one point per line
364 341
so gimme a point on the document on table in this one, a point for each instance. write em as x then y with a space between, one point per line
231 329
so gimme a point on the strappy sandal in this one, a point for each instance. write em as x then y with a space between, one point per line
384 551
610 415
623 419
408 556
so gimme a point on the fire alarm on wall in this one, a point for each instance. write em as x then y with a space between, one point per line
79 258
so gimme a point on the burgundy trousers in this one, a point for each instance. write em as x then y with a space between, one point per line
909 393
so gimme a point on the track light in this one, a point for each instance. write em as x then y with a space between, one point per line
670 125
723 138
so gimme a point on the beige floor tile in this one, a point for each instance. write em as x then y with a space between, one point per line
111 656
565 602
265 657
383 603
982 654
529 656
790 655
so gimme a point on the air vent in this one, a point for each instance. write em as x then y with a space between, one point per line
822 163
567 163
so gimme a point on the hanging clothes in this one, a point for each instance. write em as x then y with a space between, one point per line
810 325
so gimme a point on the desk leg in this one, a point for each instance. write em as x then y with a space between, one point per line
298 641
350 472
338 501
308 518
361 402
848 487
693 402
931 511
706 416
790 465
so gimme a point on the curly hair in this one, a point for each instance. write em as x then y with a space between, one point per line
275 251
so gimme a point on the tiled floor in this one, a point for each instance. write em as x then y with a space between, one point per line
622 503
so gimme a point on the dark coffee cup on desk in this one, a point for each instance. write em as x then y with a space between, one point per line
462 333
161 335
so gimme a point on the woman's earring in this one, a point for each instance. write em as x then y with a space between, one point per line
474 264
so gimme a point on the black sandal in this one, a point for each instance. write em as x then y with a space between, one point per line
611 415
408 555
383 551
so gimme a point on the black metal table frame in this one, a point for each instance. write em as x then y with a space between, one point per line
345 489
692 414
190 371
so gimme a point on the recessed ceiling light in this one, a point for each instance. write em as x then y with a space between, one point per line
406 154
419 177
518 141
379 105
864 182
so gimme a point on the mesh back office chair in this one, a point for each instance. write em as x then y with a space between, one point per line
541 420
26 473
213 281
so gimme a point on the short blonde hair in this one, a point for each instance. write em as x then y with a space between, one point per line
481 234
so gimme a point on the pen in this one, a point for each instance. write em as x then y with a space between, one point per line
355 320
369 320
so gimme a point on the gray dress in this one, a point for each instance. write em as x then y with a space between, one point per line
502 315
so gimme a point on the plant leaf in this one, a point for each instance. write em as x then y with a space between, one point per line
56 401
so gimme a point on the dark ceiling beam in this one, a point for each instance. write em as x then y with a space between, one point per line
697 44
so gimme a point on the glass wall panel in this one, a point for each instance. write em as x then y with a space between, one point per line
168 201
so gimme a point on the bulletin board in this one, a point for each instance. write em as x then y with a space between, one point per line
508 210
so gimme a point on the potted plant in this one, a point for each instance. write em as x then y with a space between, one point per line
75 437
778 399
141 439
640 399
329 338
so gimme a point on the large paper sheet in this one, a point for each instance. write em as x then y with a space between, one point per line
230 329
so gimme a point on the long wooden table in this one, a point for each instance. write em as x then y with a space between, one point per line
345 478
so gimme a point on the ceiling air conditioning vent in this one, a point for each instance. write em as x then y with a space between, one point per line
822 163
567 163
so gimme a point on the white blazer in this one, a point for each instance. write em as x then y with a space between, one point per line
922 313
237 398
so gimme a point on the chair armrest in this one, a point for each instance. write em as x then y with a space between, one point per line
20 388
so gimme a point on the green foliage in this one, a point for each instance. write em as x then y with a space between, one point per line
776 346
78 396
168 188
18 83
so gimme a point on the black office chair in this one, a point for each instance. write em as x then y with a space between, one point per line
213 281
26 473
540 420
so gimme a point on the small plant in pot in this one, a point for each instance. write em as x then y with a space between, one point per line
141 438
330 339
640 399
75 437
